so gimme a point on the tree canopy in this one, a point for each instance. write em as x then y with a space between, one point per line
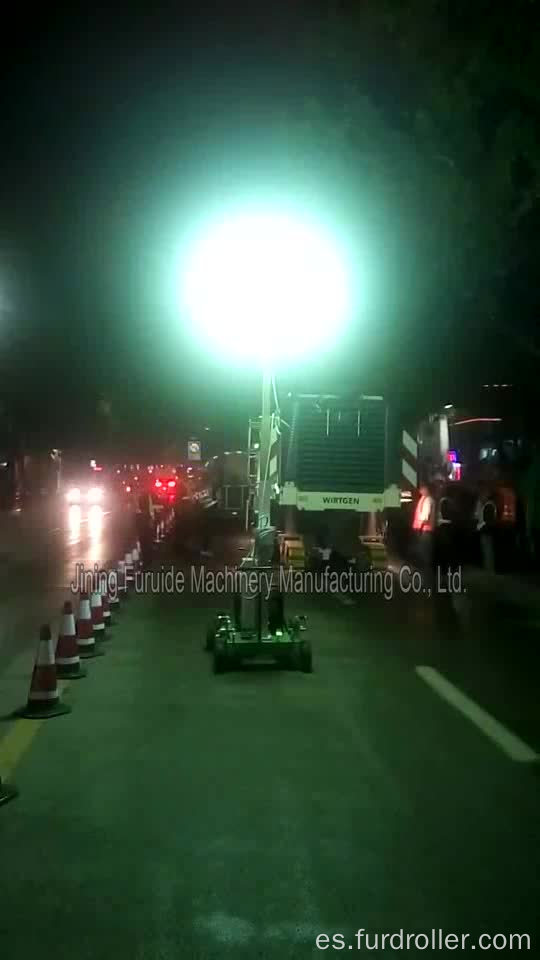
427 112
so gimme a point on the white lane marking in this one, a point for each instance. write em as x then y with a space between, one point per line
227 929
237 931
508 742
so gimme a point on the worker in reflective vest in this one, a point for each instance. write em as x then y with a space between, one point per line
423 526
423 520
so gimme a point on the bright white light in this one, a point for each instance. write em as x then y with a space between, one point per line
74 524
73 495
95 522
266 287
95 494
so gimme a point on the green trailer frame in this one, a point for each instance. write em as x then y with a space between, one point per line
271 638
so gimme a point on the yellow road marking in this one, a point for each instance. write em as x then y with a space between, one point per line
18 739
16 743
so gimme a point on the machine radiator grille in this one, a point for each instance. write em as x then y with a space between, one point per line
338 446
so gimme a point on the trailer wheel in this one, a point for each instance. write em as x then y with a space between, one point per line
306 658
219 662
285 661
210 638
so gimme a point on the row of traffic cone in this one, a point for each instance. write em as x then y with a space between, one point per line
163 526
78 639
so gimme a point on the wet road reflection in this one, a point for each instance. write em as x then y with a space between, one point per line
42 555
95 553
74 525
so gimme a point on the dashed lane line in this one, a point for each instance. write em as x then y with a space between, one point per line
508 742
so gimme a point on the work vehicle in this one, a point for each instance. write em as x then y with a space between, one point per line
337 486
165 490
227 483
86 491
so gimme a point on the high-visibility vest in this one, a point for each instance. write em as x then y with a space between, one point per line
423 515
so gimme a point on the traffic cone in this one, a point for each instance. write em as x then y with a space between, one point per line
105 606
113 594
85 634
7 792
68 661
96 610
130 574
44 696
121 585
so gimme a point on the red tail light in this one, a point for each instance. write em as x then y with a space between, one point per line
171 483
158 484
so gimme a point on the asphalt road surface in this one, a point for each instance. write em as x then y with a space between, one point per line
39 551
175 813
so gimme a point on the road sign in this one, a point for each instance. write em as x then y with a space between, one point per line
194 450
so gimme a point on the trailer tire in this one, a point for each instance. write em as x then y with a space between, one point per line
210 638
306 658
219 664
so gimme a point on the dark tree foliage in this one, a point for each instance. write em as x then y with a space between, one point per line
427 112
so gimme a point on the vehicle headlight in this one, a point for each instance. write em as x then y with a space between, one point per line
73 495
95 494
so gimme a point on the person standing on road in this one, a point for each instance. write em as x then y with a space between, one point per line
486 516
423 528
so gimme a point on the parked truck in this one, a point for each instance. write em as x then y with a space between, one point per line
227 482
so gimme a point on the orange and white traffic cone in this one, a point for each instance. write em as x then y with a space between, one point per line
105 606
130 573
68 661
113 593
96 609
7 792
86 644
121 585
44 696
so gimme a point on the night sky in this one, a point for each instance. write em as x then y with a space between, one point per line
118 129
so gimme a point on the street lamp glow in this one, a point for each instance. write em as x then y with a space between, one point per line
266 288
